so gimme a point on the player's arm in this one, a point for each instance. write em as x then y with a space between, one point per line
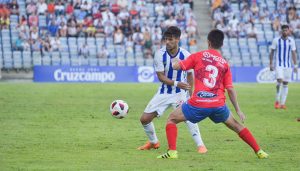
273 47
271 60
164 79
175 64
294 56
233 98
190 80
232 94
184 65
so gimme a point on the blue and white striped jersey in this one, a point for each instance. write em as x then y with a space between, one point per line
162 63
283 49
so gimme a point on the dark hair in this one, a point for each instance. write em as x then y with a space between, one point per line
284 27
216 37
172 31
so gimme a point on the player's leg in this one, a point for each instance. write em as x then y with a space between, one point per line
196 135
245 135
155 108
279 77
284 94
193 127
286 79
175 117
146 121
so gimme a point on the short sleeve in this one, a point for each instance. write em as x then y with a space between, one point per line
228 78
158 62
188 63
187 55
293 45
274 44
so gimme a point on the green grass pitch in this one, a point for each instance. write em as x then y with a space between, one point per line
69 127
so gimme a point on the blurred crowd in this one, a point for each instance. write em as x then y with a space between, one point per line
249 13
128 22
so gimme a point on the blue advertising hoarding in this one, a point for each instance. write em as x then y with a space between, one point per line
137 74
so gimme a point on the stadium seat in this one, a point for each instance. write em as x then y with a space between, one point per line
112 62
102 62
93 61
17 59
46 60
139 61
149 62
130 61
121 61
65 60
27 60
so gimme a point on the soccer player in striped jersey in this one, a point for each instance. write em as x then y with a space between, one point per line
212 76
173 89
284 46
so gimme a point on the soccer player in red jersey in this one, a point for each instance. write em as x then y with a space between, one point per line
212 76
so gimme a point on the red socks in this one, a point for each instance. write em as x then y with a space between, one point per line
171 130
246 135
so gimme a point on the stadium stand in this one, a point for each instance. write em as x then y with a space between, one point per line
251 25
86 32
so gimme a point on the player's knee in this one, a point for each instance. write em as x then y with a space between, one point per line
145 119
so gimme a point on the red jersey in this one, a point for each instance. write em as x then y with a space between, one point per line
212 75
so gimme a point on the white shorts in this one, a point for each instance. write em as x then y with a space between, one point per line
161 102
284 73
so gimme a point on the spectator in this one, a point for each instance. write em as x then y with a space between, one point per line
59 8
129 45
34 34
51 8
23 20
118 37
109 30
36 45
147 45
53 28
169 10
156 37
18 44
252 31
55 43
14 7
81 32
159 9
276 24
63 29
191 30
124 15
100 29
106 15
41 7
138 37
171 21
126 29
72 31
84 50
31 8
5 22
33 20
103 53
46 46
70 9
115 8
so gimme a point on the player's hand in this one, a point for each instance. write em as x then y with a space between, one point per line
271 68
241 115
183 85
173 60
295 70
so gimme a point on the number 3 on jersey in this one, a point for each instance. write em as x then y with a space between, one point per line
211 81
